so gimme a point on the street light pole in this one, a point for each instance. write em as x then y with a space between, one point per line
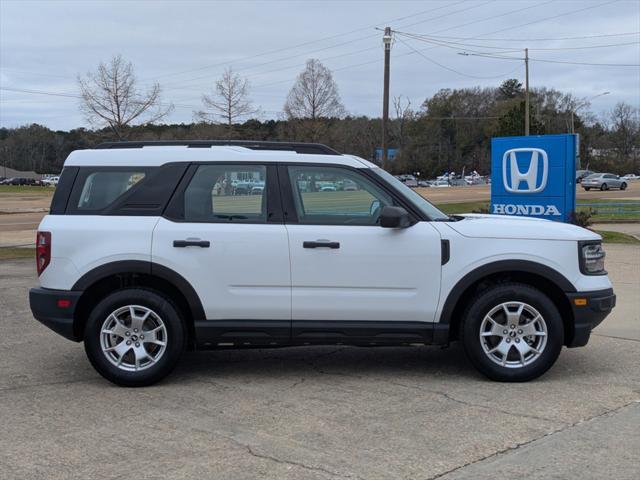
386 39
526 92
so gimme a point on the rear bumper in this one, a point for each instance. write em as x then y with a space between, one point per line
586 317
46 309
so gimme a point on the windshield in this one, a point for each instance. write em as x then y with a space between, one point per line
412 196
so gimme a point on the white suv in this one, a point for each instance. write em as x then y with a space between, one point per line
153 248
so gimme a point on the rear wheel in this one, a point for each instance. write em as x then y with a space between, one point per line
512 332
623 186
587 188
134 337
604 186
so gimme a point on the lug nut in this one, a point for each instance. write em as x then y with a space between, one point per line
128 342
517 340
137 344
508 340
519 332
127 333
513 326
505 331
136 330
141 337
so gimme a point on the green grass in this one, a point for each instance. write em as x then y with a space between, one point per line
457 208
617 237
26 189
7 253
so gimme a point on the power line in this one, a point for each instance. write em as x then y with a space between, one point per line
450 44
271 52
544 39
453 70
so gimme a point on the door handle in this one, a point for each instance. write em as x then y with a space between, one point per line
191 243
321 244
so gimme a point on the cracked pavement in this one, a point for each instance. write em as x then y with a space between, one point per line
320 412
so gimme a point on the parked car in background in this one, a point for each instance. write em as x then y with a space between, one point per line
580 174
603 181
630 177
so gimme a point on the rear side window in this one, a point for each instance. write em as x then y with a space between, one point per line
227 193
102 188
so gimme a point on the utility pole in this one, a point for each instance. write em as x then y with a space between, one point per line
386 39
526 91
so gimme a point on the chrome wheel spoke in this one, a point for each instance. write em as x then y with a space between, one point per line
513 334
126 344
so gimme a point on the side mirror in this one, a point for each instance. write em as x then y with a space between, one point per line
394 217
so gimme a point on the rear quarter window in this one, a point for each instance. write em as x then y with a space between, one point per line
96 189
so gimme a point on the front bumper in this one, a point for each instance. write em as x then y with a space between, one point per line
57 316
589 310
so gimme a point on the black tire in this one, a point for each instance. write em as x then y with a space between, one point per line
587 188
494 296
174 340
604 187
623 186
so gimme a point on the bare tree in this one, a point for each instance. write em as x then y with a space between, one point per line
111 98
625 131
229 102
314 95
404 115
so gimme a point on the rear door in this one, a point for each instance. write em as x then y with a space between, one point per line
223 232
344 266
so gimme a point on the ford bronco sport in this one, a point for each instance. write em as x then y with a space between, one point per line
153 248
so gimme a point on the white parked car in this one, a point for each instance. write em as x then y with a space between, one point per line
631 176
142 257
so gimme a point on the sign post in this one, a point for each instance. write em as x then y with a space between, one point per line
534 176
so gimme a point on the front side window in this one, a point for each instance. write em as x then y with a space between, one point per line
226 193
335 196
102 188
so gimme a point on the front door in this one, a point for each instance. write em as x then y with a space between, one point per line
344 266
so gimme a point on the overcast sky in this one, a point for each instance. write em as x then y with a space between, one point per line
185 45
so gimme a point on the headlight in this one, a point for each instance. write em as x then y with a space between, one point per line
591 258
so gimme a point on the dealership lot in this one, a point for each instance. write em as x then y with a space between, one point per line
324 412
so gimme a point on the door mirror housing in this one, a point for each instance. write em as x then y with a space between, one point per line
394 217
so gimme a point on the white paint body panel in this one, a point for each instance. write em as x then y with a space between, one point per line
376 274
80 243
244 274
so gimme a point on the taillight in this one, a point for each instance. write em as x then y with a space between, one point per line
43 250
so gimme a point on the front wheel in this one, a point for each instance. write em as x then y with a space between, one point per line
134 337
512 332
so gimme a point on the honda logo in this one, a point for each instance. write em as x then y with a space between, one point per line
534 182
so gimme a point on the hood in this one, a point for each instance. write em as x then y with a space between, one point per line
525 228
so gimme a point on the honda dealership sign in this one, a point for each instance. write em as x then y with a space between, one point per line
534 176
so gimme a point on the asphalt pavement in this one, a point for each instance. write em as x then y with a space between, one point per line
320 412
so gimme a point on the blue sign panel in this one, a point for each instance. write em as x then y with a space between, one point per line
534 176
391 153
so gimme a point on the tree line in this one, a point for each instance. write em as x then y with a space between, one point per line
448 131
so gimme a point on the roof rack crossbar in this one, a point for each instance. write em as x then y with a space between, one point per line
298 147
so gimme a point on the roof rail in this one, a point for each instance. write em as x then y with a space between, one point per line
308 148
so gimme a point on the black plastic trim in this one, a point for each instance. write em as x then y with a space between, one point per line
587 317
63 190
499 267
44 307
148 268
445 252
298 147
261 333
